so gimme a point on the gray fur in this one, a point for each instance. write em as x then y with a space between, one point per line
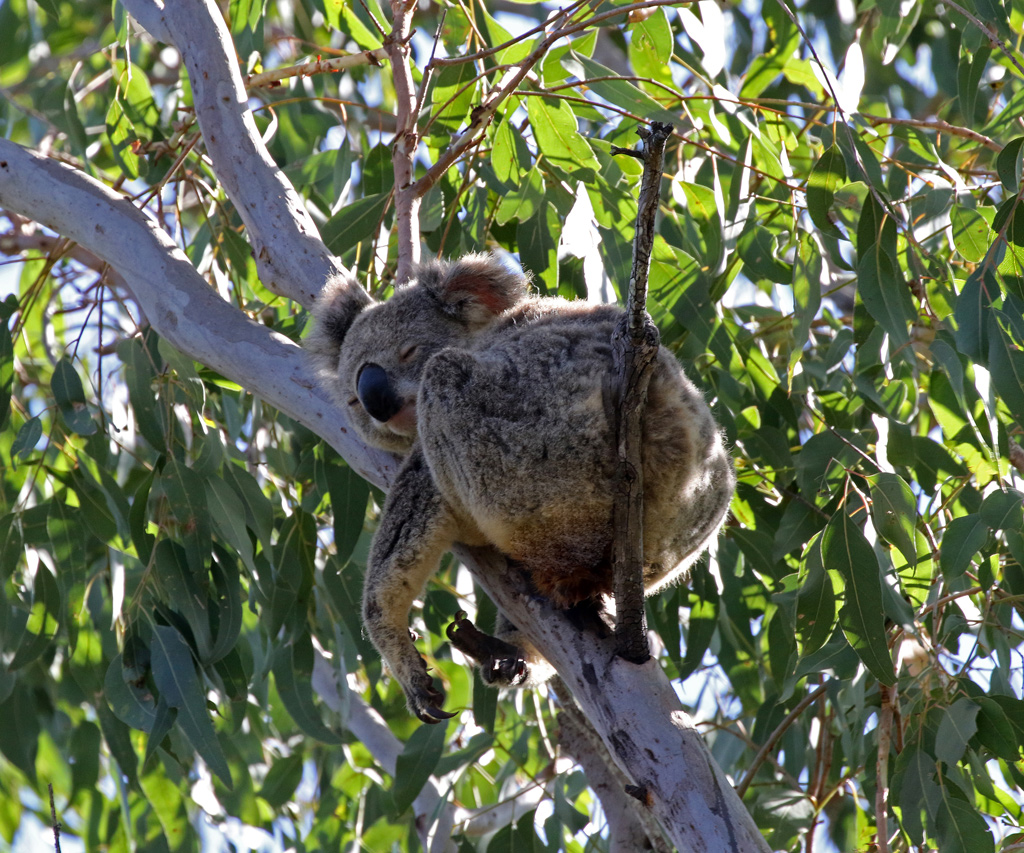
503 413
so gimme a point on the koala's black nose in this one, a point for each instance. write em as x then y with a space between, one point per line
376 394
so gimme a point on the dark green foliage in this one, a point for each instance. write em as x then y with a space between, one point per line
180 565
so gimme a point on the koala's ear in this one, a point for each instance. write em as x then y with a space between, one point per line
337 306
476 288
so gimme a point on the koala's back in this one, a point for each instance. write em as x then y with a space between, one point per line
518 431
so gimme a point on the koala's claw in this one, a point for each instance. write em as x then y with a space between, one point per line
425 703
501 663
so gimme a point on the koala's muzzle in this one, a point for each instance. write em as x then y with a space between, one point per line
376 394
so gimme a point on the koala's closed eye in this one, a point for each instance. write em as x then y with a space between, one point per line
408 352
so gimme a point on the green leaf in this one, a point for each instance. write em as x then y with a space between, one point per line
454 95
972 234
624 94
354 223
1006 361
995 731
42 621
418 759
960 828
894 512
139 374
282 779
1003 510
815 601
293 579
19 735
183 593
28 436
186 496
118 738
559 140
293 674
70 396
885 294
759 251
166 799
510 155
956 728
175 677
971 313
1009 163
131 702
7 308
523 202
650 46
227 608
969 75
963 538
700 630
828 174
163 722
228 516
11 551
846 551
702 208
349 494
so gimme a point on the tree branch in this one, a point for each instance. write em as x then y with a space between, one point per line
630 825
320 66
291 258
635 712
406 141
178 302
635 345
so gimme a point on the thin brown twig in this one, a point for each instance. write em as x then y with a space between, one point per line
882 769
937 125
776 735
53 821
320 66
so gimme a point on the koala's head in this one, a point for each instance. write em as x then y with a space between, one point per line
370 355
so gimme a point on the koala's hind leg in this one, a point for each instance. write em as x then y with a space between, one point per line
507 660
416 528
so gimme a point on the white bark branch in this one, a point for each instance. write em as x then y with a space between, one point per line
181 306
637 715
630 825
290 256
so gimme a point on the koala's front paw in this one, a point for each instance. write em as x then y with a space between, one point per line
501 663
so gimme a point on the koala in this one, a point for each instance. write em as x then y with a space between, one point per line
500 402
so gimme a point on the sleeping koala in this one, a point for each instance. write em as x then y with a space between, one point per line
499 401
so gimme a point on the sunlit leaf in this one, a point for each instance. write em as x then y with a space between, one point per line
963 539
175 677
845 550
415 764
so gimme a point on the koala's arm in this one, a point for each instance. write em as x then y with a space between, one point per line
416 529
